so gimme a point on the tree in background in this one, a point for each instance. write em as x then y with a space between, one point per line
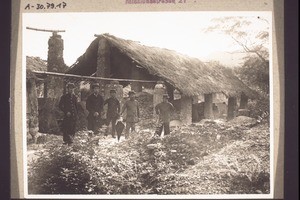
255 73
251 34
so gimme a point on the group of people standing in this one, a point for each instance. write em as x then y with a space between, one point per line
95 104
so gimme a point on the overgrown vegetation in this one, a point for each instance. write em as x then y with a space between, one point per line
255 73
203 158
251 35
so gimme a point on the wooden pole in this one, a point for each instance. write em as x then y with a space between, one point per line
45 30
32 109
89 77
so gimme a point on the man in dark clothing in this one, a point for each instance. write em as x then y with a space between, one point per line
113 110
132 113
164 110
94 104
68 104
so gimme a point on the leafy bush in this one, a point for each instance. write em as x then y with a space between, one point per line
258 182
258 107
128 168
143 164
61 171
77 170
255 73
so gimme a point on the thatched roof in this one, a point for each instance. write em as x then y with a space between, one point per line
34 64
189 75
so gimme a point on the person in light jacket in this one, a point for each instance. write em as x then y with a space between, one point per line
132 113
164 111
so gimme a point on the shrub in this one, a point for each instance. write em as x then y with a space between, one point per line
258 107
83 169
61 171
140 165
257 182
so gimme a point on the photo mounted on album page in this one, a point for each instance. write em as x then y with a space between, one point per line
136 99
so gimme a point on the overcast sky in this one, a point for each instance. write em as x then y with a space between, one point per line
179 31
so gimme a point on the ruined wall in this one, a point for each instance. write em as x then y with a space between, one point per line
103 59
222 109
208 106
54 87
243 101
232 106
32 108
186 109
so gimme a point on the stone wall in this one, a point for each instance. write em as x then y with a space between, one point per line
232 106
32 109
186 109
208 106
103 59
50 114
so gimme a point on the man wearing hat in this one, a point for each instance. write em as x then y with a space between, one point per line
113 110
164 110
94 104
68 104
132 113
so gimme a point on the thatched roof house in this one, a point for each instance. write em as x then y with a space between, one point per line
112 57
189 75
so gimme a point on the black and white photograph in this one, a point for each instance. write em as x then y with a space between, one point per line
148 104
